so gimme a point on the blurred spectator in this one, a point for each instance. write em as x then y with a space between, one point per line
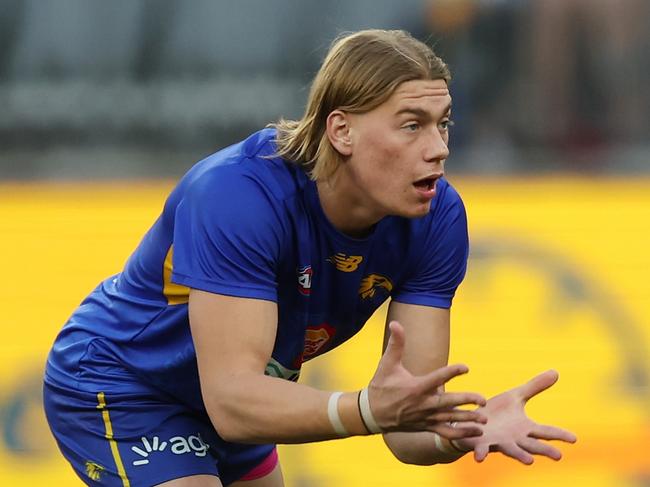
585 65
478 39
538 84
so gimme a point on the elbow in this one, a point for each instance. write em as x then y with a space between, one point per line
234 411
227 429
227 423
409 458
407 449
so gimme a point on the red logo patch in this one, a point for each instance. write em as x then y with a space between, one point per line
315 339
304 280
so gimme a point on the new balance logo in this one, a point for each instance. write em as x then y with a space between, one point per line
178 445
345 263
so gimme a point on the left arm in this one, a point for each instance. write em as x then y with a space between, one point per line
508 429
440 268
426 331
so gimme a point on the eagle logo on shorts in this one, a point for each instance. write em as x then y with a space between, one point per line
371 283
94 470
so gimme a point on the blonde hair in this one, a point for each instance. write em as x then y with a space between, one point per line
360 72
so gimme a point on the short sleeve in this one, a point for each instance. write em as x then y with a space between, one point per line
228 237
443 250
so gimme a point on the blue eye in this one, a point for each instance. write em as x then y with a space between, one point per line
412 127
446 124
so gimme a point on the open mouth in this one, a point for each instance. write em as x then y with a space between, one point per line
425 184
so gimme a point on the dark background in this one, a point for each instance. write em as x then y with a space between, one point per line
142 88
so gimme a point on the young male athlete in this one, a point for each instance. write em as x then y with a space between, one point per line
182 369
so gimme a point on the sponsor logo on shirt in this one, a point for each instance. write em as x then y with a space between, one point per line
304 280
276 369
315 338
178 445
345 263
372 283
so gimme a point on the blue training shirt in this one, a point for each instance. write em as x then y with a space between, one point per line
244 223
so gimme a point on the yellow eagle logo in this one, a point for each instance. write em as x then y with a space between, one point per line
94 470
371 283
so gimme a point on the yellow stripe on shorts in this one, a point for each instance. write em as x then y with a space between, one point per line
101 404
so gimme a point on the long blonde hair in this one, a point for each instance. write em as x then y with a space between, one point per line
360 72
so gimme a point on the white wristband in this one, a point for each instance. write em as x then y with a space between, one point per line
458 449
366 413
454 444
333 413
441 446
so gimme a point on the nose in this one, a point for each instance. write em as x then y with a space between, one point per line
436 148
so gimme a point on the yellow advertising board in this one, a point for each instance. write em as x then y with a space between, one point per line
557 279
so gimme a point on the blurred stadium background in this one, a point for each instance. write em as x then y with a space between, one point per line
104 104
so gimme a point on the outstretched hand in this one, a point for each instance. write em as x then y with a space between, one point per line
511 432
401 401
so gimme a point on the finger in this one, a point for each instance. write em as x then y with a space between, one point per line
545 432
456 433
536 447
481 452
458 416
395 345
440 376
455 399
514 451
538 384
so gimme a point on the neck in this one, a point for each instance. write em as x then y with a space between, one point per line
344 208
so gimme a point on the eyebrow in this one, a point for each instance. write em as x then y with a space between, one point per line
419 112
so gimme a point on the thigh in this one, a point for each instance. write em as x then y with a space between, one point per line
142 440
272 479
255 478
194 481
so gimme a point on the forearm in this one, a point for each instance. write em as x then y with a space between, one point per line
420 448
427 349
254 408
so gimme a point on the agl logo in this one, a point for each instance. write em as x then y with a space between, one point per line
178 445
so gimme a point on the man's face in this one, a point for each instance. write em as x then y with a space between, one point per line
399 148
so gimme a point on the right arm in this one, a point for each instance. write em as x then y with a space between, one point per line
234 338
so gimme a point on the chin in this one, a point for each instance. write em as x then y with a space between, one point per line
416 211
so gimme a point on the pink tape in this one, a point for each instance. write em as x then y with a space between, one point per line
264 468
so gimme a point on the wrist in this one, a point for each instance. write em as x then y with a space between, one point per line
367 417
350 416
448 447
459 445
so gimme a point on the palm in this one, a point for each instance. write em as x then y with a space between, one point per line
511 432
506 418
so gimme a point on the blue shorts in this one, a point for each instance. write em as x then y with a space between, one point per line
142 439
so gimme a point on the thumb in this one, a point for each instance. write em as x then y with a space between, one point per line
481 452
538 384
395 345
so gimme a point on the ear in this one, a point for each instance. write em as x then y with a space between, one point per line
338 132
